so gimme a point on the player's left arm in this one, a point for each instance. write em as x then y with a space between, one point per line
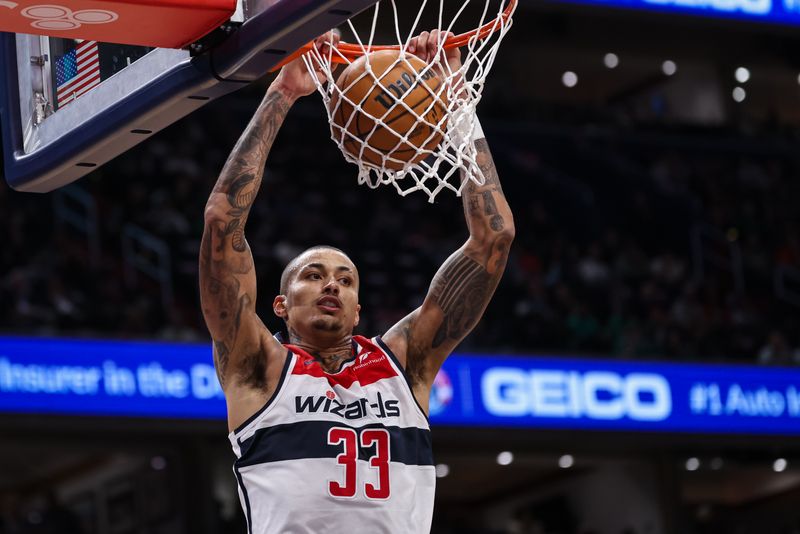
463 285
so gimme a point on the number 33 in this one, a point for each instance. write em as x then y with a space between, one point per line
348 458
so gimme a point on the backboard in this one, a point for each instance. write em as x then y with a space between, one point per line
68 106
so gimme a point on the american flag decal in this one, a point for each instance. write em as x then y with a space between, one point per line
77 71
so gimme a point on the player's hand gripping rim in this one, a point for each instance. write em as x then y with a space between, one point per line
429 47
295 80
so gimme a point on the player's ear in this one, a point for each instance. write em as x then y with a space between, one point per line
357 318
279 306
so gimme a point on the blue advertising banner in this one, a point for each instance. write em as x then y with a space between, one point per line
108 378
140 379
773 11
608 395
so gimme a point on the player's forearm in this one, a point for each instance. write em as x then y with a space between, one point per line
485 207
240 179
466 281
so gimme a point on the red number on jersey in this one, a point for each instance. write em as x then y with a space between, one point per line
348 437
380 461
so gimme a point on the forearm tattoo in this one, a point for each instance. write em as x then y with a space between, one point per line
483 196
459 289
227 274
466 282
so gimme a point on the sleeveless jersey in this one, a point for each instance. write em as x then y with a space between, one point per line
348 452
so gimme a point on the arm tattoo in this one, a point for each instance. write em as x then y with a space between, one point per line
490 209
241 195
460 289
221 354
489 217
251 152
486 164
465 283
227 274
240 180
415 351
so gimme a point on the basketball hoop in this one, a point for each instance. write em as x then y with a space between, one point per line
433 168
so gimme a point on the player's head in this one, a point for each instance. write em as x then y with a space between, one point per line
319 293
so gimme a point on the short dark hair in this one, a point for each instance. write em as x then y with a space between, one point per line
293 265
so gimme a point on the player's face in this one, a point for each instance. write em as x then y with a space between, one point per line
322 297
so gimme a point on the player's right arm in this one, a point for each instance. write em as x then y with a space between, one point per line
247 358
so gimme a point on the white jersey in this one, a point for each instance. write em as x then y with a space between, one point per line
348 452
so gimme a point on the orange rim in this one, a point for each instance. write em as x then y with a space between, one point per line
350 52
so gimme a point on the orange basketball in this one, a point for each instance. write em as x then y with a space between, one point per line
381 95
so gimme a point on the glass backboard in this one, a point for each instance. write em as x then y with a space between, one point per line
68 106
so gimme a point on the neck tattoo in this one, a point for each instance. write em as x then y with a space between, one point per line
331 358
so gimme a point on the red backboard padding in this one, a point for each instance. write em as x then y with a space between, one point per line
156 23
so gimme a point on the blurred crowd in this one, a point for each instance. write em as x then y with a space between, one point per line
631 242
46 516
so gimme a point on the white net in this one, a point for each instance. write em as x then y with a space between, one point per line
401 120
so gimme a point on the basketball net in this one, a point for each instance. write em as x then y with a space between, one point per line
454 160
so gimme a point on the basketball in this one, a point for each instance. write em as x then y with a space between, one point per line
395 101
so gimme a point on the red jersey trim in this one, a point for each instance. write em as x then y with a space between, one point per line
369 365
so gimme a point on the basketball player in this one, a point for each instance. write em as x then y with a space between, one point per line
330 430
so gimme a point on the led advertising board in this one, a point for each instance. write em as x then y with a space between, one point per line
141 379
786 12
549 392
108 378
